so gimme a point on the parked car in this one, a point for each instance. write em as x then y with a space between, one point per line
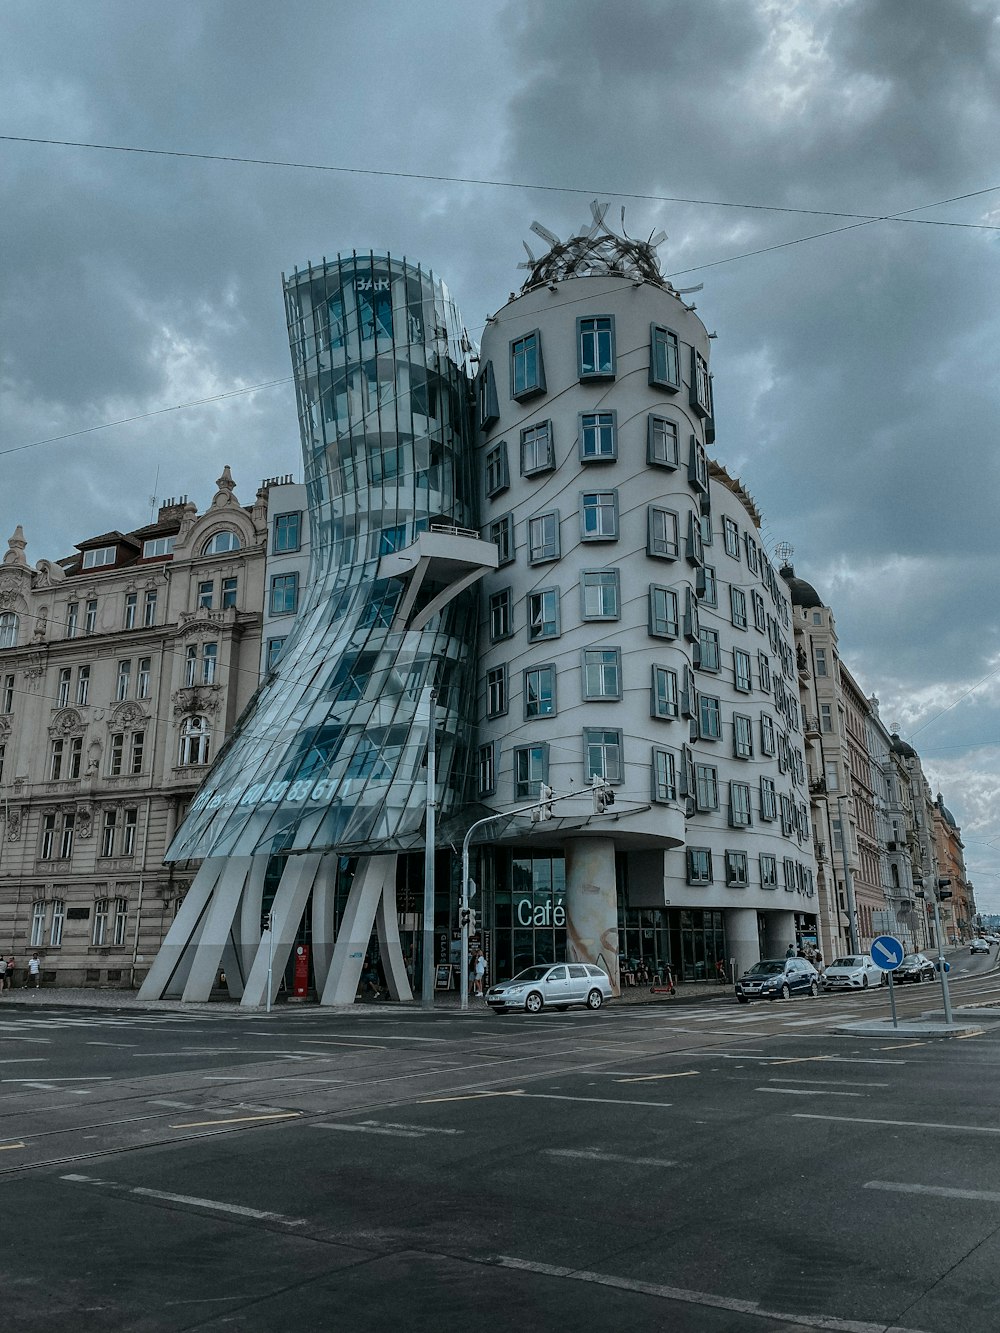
774 977
915 967
979 946
855 971
552 986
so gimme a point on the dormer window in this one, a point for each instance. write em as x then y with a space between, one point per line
98 556
158 546
220 543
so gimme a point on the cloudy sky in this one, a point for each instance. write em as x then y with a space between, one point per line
855 368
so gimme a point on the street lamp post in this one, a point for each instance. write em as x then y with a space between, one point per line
427 970
852 922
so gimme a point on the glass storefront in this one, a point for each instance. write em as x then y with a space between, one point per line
689 940
529 913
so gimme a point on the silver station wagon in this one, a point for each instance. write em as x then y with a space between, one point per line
551 986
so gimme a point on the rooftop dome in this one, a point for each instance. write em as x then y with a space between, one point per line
801 593
946 814
900 747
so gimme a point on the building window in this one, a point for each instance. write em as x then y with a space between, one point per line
601 594
284 594
527 371
764 671
229 589
742 736
698 466
90 618
287 532
661 442
62 696
753 562
158 546
191 665
595 341
701 385
206 595
531 769
768 871
540 692
767 739
136 746
664 776
58 920
124 677
768 799
825 718
142 677
487 769
8 694
602 754
100 936
694 549
97 558
664 700
739 804
496 691
742 676
194 741
708 592
543 614
487 402
731 537
599 516
788 874
209 660
131 606
501 532
66 837
819 655
699 865
497 469
116 751
56 760
274 647
709 718
598 437
664 622
38 921
664 358
501 626
737 870
662 539
72 619
708 649
149 608
121 922
108 834
602 673
537 452
543 538
706 786
759 614
738 606
47 846
220 543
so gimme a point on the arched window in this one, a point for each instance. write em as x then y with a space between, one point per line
195 741
8 630
221 542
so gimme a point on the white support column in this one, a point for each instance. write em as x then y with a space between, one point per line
250 913
779 933
286 913
222 912
166 973
373 874
323 907
387 923
741 938
592 904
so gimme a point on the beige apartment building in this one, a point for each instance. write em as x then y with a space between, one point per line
122 668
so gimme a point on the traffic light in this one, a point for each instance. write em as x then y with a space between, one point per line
943 889
543 810
265 921
603 795
464 916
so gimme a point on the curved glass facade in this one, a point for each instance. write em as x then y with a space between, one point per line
330 752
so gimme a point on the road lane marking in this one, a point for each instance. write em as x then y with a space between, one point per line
701 1298
837 1082
602 1101
216 1205
463 1097
648 1078
174 1106
895 1187
76 1078
8 1147
423 1129
372 1129
810 1092
239 1120
118 1045
386 1036
26 1060
903 1124
595 1155
902 1046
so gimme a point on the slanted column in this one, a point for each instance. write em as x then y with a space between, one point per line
592 904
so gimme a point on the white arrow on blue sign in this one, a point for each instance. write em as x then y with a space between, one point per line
887 952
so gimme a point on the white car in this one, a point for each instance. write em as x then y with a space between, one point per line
855 971
553 986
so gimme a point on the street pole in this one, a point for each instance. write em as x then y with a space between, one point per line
852 922
941 963
270 956
427 971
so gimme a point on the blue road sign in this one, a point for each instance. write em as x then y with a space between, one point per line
887 952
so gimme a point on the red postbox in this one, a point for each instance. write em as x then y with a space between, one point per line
301 982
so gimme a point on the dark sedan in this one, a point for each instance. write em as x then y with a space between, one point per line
915 967
772 978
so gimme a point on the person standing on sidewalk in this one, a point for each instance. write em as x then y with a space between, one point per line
34 972
9 978
3 974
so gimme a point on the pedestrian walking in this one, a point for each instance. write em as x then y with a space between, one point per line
34 972
479 973
9 978
3 973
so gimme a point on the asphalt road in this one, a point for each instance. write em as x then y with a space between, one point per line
703 1167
